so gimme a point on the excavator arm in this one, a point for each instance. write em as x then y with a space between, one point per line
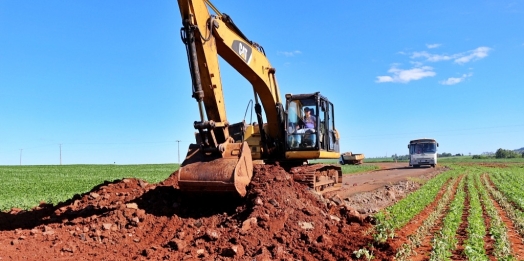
217 162
207 36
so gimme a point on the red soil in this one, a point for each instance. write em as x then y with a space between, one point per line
132 220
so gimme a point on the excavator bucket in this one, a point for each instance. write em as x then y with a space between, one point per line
229 171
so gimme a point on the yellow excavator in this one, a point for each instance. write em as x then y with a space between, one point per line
292 134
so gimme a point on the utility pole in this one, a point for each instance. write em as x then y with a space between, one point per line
21 157
178 141
60 154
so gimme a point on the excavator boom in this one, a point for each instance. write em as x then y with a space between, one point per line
221 160
218 161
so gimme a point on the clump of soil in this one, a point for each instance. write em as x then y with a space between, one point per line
132 220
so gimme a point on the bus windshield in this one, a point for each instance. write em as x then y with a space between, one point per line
423 148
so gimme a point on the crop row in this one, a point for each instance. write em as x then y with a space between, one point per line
467 207
497 228
511 184
474 197
476 229
416 239
445 239
504 194
480 205
401 213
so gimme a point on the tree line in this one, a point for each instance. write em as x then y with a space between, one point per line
440 155
502 154
499 154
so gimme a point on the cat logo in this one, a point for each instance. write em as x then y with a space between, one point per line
243 50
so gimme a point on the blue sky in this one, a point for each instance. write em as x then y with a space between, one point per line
98 82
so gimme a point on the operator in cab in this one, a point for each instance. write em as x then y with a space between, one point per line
310 121
307 135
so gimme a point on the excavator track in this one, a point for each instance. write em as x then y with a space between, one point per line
321 178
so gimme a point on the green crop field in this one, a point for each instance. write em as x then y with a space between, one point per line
469 159
485 193
26 186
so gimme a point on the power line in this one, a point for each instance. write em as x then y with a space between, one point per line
178 141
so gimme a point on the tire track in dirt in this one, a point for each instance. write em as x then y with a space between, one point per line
517 245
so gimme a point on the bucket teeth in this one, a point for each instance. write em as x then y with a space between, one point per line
230 171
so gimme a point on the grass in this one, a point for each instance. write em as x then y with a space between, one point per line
26 186
418 180
353 169
349 169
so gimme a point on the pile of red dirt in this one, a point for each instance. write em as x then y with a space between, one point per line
132 220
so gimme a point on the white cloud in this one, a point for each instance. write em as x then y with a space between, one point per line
384 79
431 46
455 80
416 64
289 54
420 71
459 58
473 55
432 57
405 76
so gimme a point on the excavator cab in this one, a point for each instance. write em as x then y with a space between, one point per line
310 123
310 134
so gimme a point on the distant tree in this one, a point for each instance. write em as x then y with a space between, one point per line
503 154
400 157
403 157
458 154
500 154
444 154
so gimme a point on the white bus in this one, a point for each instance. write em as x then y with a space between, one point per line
423 152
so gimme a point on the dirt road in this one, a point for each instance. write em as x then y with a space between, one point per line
388 174
371 191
